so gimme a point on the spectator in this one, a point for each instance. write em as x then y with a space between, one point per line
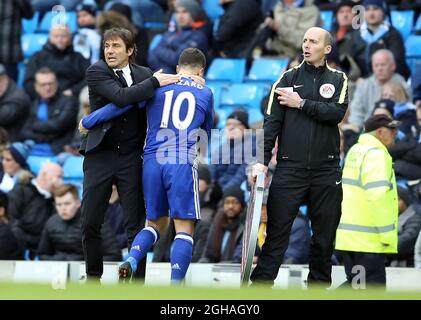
9 247
11 14
402 108
115 219
407 153
234 172
61 238
409 226
236 27
14 164
52 119
341 33
31 204
142 41
226 232
374 34
190 33
87 40
368 91
367 230
209 194
291 18
58 55
14 106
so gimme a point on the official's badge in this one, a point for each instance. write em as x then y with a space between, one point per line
327 90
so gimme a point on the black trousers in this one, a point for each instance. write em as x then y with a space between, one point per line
321 190
102 169
372 264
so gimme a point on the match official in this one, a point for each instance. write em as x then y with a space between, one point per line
305 107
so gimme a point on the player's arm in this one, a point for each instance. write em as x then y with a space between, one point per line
106 113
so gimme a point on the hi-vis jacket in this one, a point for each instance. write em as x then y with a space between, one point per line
370 202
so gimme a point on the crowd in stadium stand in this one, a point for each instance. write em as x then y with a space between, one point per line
43 96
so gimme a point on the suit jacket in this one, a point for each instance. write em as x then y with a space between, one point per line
104 87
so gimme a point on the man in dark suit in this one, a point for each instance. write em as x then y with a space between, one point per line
113 150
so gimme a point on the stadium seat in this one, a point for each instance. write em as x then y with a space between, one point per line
403 21
418 24
255 115
32 42
154 25
30 25
36 162
223 114
213 9
227 70
73 168
154 42
245 95
69 18
217 89
21 74
327 17
267 70
413 52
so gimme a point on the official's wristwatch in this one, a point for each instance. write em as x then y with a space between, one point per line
302 104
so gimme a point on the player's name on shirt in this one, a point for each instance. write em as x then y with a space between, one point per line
190 83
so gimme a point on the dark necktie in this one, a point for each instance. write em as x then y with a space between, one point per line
121 78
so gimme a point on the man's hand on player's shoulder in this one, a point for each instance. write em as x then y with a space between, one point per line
198 79
165 79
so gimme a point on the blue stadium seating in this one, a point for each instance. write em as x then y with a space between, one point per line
418 24
30 25
246 95
21 74
69 18
73 172
73 168
223 113
413 51
216 88
267 70
227 70
212 8
403 21
36 162
327 17
32 42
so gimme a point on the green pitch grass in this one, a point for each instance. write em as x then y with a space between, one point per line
9 291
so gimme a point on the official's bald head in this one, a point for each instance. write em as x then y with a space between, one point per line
317 43
321 33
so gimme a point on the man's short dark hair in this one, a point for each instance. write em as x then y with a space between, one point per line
124 34
193 58
44 70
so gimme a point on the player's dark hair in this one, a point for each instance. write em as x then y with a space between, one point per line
193 58
125 35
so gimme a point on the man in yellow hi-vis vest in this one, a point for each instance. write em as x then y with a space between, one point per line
368 227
